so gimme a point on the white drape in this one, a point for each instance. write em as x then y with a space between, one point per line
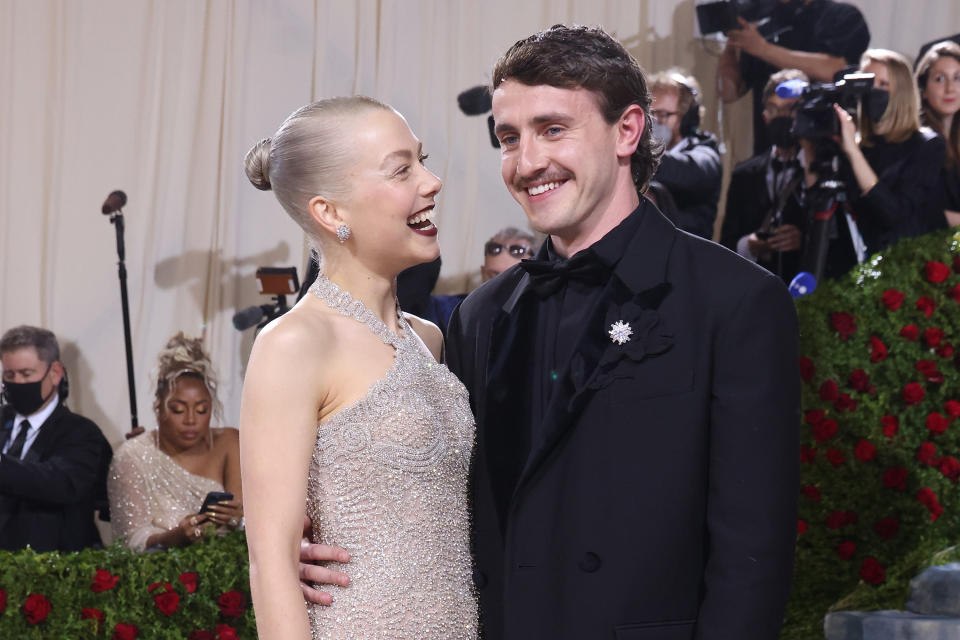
162 98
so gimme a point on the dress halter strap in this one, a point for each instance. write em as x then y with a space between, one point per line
347 305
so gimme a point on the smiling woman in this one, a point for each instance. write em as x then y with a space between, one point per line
158 481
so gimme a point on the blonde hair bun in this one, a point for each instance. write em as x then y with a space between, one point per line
184 355
256 164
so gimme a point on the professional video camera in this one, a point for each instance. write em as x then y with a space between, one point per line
816 120
720 16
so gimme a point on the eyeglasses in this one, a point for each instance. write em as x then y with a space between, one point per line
516 250
660 115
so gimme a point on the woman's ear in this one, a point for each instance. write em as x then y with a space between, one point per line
326 214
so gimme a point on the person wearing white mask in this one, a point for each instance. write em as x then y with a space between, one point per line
691 168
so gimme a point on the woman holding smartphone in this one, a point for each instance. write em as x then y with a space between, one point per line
159 480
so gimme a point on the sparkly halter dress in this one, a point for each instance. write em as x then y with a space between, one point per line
388 482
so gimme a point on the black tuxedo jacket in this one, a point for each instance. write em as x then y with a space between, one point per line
47 499
660 502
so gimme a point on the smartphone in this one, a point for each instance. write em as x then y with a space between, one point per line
213 498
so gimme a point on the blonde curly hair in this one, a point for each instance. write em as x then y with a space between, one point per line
184 356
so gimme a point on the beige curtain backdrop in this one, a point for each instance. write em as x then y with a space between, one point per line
162 99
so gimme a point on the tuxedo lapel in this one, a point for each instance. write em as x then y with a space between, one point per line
639 276
506 396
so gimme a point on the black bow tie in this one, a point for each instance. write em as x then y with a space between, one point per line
549 276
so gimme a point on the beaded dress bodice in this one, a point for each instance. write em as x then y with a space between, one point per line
388 482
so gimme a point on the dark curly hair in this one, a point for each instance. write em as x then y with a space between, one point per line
589 58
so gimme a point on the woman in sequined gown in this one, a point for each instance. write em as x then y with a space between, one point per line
158 480
348 414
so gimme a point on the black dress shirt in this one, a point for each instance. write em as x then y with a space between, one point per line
561 315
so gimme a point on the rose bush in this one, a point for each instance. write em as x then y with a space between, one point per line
880 437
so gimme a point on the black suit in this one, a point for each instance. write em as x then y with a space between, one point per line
660 499
47 499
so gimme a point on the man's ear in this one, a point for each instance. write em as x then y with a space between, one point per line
56 372
630 130
326 214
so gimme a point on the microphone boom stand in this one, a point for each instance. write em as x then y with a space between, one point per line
116 219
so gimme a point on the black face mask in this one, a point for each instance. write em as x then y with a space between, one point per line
876 104
26 397
779 132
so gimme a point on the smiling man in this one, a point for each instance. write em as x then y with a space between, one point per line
635 387
53 468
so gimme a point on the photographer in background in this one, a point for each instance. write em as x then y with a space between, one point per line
690 167
896 190
819 37
765 216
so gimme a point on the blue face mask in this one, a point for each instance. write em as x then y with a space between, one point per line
661 132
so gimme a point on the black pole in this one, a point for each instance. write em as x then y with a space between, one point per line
117 220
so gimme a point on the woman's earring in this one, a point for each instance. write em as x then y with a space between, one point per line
343 233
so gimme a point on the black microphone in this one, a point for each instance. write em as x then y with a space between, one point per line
114 202
475 100
252 316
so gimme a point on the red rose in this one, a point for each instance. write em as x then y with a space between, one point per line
93 614
952 408
929 370
3 600
932 336
945 350
955 293
911 332
892 299
928 498
913 394
950 467
806 369
865 451
225 632
890 425
956 264
835 457
36 608
836 520
936 423
103 581
872 571
124 631
801 527
810 491
845 403
232 603
807 456
846 549
829 391
201 635
843 323
926 306
824 430
189 581
886 528
814 416
895 478
937 272
878 350
859 380
927 453
167 602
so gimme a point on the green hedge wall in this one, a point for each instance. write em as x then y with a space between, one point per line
880 445
199 592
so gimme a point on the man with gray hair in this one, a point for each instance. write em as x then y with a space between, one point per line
506 248
54 463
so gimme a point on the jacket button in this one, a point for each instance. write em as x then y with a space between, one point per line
590 562
479 579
